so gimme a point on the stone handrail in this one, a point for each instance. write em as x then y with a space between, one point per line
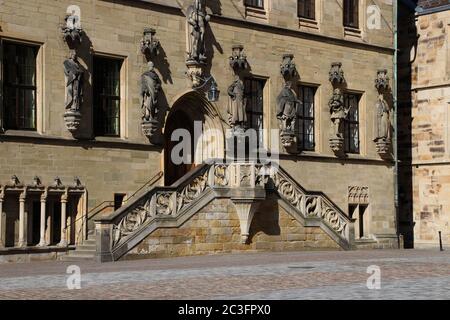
244 183
314 205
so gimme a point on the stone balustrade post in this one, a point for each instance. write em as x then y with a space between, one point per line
103 236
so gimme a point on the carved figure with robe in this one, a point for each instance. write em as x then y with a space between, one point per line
150 87
338 112
237 104
197 19
287 104
383 124
74 83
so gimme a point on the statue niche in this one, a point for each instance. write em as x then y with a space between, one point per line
150 88
74 92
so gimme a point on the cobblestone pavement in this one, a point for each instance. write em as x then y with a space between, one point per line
294 275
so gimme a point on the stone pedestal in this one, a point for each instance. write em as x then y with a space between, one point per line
337 144
72 120
195 73
383 147
289 141
149 128
103 236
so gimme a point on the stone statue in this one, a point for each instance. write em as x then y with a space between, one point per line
150 87
338 112
383 122
74 83
197 19
237 105
287 104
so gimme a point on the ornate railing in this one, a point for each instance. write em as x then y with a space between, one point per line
313 205
171 206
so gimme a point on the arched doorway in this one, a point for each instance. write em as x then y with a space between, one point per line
193 113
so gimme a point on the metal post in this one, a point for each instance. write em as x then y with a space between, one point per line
440 241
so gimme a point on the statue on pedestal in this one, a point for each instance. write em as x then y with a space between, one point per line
150 87
197 19
287 104
74 83
237 105
338 113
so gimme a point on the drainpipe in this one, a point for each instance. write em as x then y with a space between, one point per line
395 101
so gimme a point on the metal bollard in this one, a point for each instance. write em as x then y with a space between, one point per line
440 241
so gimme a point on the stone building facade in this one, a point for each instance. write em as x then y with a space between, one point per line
93 90
424 97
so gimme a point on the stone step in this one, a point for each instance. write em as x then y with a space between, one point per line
86 247
77 258
82 252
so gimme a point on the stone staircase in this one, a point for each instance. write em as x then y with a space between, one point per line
245 184
83 252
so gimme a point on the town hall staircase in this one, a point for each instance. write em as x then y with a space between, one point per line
245 184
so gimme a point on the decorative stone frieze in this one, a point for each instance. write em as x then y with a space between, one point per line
358 195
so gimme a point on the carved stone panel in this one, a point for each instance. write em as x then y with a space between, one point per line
358 195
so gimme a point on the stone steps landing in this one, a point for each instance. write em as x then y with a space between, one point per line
83 252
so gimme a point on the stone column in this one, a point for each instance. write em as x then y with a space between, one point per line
2 223
63 242
42 242
22 220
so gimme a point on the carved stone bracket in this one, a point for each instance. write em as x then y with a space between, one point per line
288 67
195 73
246 212
336 75
150 45
72 31
238 60
382 80
72 120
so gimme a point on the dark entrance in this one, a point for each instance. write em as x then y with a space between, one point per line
36 223
177 120
56 223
